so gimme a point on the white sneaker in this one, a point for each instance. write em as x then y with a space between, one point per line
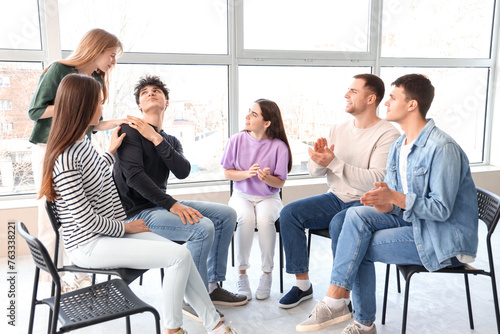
264 289
244 286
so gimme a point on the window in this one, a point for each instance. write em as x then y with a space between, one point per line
219 56
158 26
461 30
318 25
15 150
459 110
197 113
20 25
5 105
4 81
309 106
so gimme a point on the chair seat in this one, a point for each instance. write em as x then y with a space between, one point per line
126 274
96 304
408 270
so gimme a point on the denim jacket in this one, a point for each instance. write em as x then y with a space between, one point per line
441 202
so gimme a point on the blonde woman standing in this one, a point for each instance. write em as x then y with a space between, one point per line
95 56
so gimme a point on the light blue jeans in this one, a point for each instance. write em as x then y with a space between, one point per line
316 213
148 250
208 240
370 236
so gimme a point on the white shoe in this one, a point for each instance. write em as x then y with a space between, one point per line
264 289
244 286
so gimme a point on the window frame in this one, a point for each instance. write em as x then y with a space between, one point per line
238 56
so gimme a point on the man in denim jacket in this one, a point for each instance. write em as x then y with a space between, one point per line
425 213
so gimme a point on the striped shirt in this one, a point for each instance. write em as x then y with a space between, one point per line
88 204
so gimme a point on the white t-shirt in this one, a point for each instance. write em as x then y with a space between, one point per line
403 164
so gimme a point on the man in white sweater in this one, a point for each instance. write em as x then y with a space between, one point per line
353 157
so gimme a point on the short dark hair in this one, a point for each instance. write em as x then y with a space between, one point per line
374 84
150 80
417 87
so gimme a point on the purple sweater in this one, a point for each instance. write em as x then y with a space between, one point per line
242 151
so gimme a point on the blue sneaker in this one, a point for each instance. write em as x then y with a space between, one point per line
295 296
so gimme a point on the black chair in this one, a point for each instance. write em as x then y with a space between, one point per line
277 226
489 213
83 307
126 274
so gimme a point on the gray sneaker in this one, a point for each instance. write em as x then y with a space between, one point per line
221 296
187 310
322 316
355 328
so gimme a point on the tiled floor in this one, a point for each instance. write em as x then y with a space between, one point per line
437 302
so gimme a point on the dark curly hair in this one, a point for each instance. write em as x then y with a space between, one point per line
150 80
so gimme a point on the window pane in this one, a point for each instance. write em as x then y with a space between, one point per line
319 25
19 25
16 175
311 100
437 29
457 109
164 26
197 113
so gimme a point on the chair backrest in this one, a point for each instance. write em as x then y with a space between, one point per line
50 207
489 209
38 252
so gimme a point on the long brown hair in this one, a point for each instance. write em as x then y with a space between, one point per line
271 112
76 102
92 44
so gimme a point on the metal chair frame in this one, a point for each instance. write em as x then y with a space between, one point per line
84 307
489 213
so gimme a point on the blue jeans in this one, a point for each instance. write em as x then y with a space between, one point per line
370 236
316 213
208 240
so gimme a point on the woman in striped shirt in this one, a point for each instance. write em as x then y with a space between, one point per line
95 232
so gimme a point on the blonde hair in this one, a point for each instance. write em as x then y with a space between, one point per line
92 44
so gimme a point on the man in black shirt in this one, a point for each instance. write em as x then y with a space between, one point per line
144 162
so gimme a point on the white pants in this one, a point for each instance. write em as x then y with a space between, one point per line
256 212
147 250
45 231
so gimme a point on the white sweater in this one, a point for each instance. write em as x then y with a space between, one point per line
360 158
88 203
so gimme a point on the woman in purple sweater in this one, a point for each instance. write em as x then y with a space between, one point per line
258 160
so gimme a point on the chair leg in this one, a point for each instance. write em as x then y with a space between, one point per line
33 301
308 244
469 304
157 322
386 288
281 263
127 325
398 279
232 250
495 298
93 279
140 280
405 307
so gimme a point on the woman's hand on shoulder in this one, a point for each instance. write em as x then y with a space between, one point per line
136 226
116 140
